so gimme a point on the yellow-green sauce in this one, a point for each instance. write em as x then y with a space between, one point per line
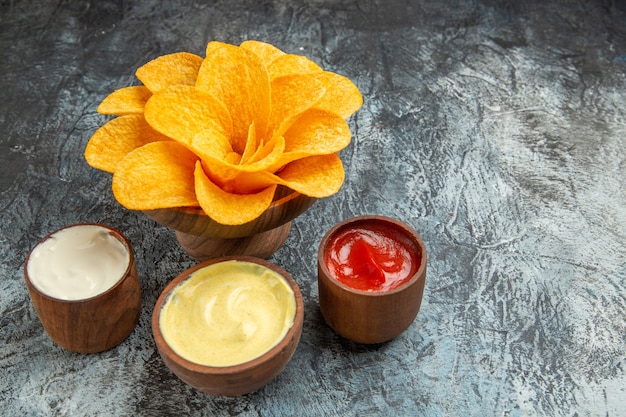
228 313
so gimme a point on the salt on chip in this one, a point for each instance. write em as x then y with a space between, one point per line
111 142
181 112
173 69
157 175
238 79
229 208
127 100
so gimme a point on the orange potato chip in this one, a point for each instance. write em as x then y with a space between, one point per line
269 153
173 69
181 112
218 164
316 176
266 52
229 208
224 131
292 64
238 79
252 144
291 96
212 145
119 136
316 132
157 175
127 100
342 96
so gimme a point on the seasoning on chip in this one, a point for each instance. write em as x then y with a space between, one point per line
221 133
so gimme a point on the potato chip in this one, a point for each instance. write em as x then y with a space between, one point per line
181 112
127 100
289 64
239 80
291 96
229 208
316 176
252 145
157 175
119 136
225 173
317 132
173 69
342 96
223 132
266 52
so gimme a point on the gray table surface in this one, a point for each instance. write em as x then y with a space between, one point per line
495 128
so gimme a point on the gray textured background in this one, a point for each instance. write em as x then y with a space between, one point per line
495 128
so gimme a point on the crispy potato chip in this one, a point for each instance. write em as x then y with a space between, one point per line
317 132
218 164
315 176
119 136
291 96
181 112
252 144
157 175
173 69
342 96
222 133
288 64
266 52
127 100
211 145
269 153
228 208
238 79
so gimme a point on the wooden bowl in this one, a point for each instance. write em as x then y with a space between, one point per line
93 324
203 238
370 316
237 379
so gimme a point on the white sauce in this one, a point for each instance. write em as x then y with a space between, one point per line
78 262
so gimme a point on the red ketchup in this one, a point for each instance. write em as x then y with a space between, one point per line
372 257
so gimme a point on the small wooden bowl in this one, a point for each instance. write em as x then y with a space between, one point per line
203 238
364 316
93 324
237 379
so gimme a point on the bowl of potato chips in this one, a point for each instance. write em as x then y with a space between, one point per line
219 141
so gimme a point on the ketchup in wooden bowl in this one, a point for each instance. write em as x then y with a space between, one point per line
371 276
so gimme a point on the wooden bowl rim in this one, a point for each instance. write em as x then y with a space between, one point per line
232 369
286 206
420 274
113 232
280 199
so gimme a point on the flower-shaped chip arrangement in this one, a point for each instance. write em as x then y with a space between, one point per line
223 132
